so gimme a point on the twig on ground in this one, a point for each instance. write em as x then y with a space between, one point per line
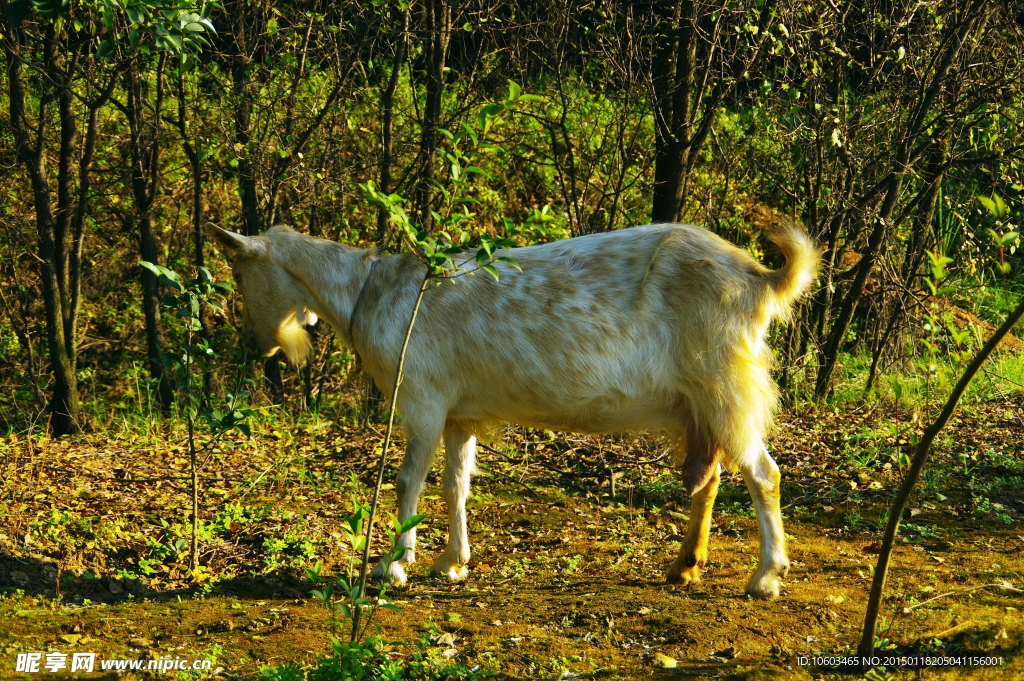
1004 586
514 461
526 487
256 482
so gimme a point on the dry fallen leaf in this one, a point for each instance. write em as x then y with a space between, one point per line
665 661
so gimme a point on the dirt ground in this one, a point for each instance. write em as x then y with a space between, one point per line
566 579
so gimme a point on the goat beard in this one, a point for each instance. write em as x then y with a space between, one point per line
294 342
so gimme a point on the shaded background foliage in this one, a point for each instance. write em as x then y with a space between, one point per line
126 126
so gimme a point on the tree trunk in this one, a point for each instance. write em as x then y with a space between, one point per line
243 134
246 49
439 25
686 103
674 79
145 156
387 124
58 271
243 50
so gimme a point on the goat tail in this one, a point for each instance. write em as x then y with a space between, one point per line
791 281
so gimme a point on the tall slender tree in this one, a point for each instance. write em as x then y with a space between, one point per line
387 127
703 54
144 182
64 76
438 22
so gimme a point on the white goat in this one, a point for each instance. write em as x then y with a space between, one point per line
650 328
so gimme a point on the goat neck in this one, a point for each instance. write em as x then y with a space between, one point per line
329 276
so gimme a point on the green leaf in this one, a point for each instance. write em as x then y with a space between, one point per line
509 261
411 522
897 389
487 113
105 48
53 10
472 134
989 203
491 270
1001 210
513 91
16 12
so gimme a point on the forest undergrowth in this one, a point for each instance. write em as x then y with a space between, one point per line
566 579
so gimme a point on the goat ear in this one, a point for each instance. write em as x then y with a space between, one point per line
229 241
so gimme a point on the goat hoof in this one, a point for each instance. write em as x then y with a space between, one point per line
455 573
684 576
764 586
393 574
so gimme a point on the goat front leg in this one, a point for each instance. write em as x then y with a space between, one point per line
763 482
460 449
412 477
693 553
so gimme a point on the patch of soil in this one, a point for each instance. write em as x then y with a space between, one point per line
566 579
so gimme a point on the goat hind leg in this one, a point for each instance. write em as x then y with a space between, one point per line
693 553
763 482
460 448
